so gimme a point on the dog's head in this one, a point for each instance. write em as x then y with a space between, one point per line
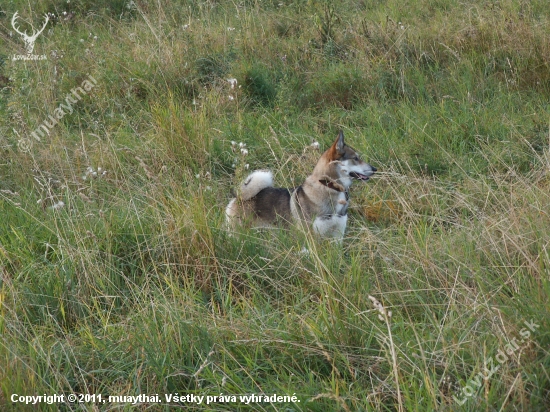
349 164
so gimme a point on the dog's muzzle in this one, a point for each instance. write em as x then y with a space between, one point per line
361 176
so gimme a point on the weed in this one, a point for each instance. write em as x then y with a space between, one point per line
259 86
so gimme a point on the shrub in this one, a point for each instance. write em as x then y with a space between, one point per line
259 86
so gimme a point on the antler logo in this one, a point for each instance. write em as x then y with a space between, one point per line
29 40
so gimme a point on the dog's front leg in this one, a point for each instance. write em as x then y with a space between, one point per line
344 210
331 226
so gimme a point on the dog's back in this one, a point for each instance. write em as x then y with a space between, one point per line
259 203
272 204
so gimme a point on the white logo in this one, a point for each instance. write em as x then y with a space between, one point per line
29 40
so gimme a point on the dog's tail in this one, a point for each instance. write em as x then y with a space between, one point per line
255 183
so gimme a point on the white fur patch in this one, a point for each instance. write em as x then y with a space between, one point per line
340 204
232 217
332 226
231 209
255 183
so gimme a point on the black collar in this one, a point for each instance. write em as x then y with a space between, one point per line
331 184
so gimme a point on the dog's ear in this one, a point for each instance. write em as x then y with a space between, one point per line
337 148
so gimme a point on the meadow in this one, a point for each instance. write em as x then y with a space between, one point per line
118 276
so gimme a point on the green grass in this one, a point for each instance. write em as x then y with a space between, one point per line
134 285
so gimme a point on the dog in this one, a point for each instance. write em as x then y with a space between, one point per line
321 201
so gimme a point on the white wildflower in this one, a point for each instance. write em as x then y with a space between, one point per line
304 252
232 82
58 205
94 173
383 313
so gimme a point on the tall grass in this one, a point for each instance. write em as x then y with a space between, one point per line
119 277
